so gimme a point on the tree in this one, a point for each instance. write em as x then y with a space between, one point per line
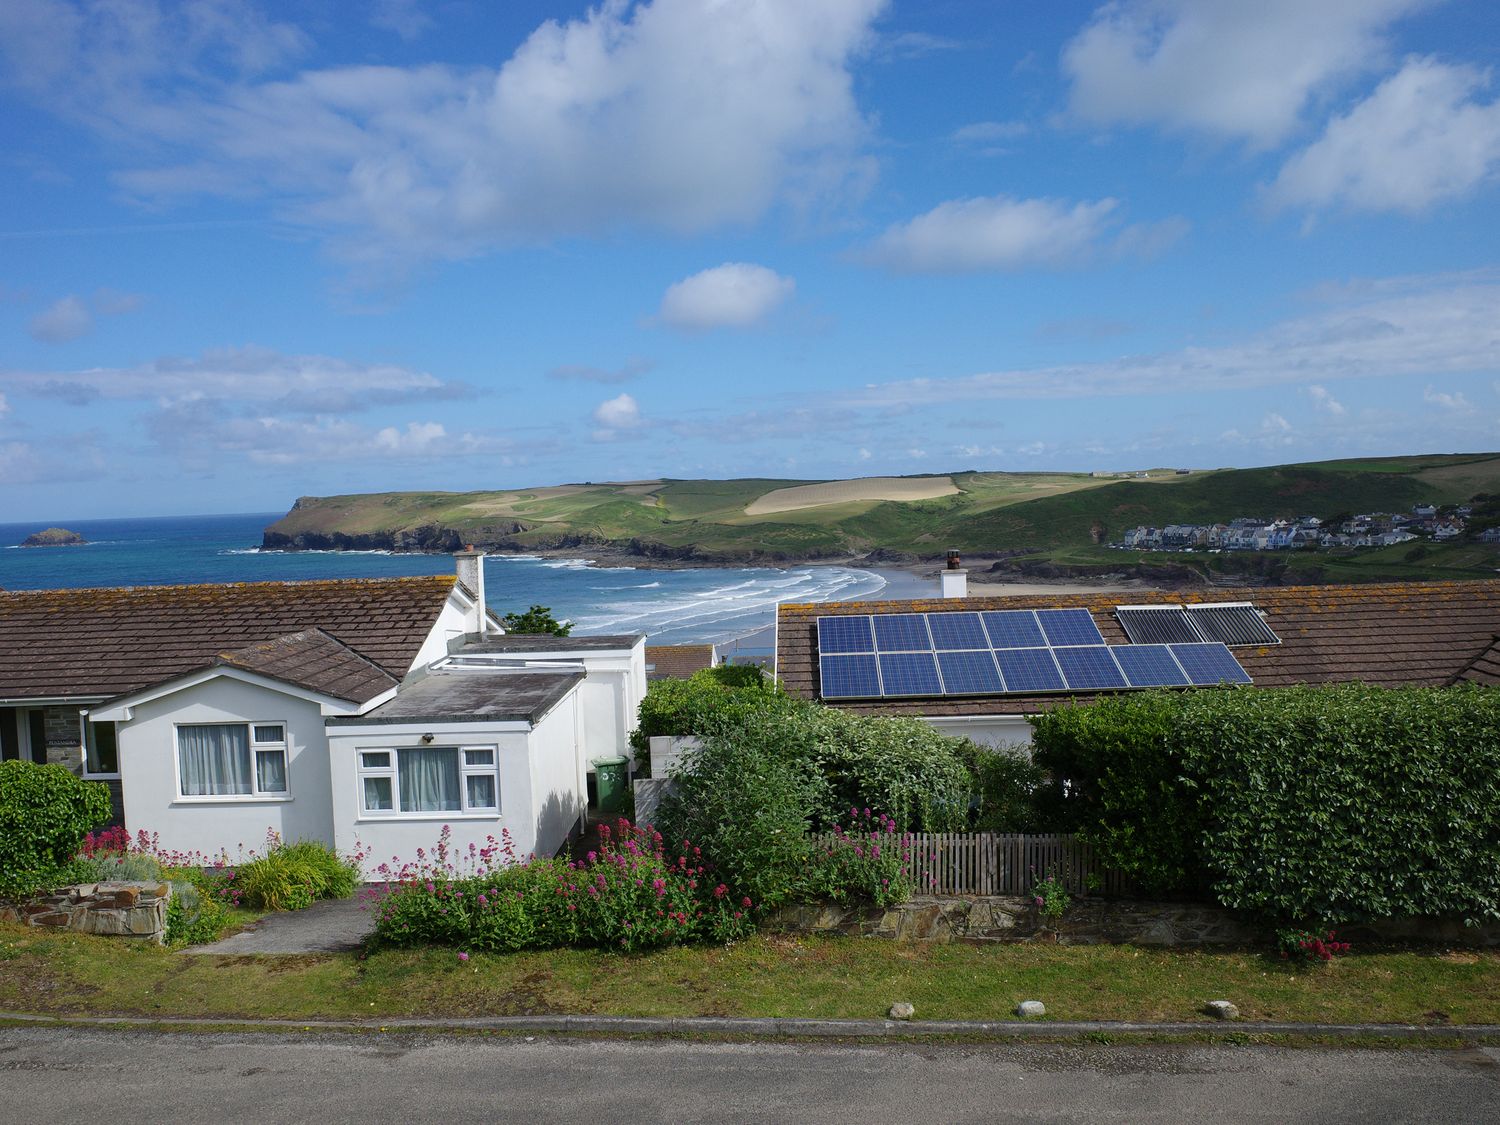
537 619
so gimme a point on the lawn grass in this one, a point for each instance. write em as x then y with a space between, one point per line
769 975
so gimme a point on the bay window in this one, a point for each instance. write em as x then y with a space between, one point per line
422 780
232 759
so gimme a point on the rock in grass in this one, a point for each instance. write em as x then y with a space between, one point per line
902 1011
1222 1010
1028 1008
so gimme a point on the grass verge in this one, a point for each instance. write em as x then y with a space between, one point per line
823 978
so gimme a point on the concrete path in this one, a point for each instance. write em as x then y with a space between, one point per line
330 926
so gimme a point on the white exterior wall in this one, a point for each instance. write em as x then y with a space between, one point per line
148 771
987 730
541 794
456 619
558 796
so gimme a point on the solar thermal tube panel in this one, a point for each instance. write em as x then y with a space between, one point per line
1156 624
1232 623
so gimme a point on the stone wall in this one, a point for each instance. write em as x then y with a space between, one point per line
1091 921
126 909
65 748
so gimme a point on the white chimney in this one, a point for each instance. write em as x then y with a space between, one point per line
471 575
955 583
955 579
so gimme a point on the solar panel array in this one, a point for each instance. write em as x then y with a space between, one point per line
1002 652
1230 623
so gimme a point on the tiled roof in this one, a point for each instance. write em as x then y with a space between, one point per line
314 660
665 662
106 642
1484 668
1392 633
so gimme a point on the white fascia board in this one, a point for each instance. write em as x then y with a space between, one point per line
957 720
122 709
452 732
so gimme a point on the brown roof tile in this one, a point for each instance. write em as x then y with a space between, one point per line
106 642
315 660
678 661
1391 633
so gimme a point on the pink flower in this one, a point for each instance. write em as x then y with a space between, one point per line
463 956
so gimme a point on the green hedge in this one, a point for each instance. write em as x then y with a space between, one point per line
44 813
1337 803
689 706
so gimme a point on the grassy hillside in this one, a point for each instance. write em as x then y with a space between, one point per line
988 512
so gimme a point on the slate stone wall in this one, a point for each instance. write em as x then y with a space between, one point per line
1012 918
126 909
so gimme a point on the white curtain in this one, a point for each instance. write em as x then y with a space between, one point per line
215 760
428 779
270 771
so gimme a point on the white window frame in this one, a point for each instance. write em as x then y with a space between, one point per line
392 772
256 792
88 725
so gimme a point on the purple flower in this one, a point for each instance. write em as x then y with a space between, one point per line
463 956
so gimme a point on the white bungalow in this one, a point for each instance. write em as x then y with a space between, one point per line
368 712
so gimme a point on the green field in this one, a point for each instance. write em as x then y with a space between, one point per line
991 513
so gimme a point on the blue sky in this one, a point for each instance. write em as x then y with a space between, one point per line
253 251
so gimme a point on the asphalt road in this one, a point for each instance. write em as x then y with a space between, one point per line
49 1074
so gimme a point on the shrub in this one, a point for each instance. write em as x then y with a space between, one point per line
1297 944
629 895
691 706
105 867
193 917
862 862
294 876
44 813
1006 787
1338 803
748 809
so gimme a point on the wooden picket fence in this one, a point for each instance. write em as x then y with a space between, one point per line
990 863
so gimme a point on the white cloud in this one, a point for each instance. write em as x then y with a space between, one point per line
202 439
1427 326
1002 233
403 17
4 407
246 375
1420 138
619 413
1324 401
1448 400
734 295
64 320
674 114
1229 69
632 369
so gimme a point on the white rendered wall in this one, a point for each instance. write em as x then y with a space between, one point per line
535 767
557 793
148 771
987 730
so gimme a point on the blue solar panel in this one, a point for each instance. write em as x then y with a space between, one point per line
1029 669
845 634
1149 666
1013 628
970 673
1069 627
902 632
850 677
909 673
1089 668
1208 664
956 631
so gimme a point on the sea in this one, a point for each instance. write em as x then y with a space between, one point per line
733 607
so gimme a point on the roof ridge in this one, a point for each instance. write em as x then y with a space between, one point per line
301 583
1493 646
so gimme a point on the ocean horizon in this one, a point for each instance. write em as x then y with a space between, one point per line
721 605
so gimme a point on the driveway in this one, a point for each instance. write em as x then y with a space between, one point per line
330 926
